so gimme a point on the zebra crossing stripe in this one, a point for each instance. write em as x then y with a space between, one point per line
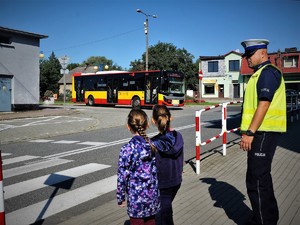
34 167
5 154
19 159
57 204
39 182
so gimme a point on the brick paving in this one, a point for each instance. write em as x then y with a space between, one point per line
218 195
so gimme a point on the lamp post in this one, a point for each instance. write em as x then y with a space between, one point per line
146 32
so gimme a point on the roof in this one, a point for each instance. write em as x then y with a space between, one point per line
25 33
79 69
204 58
234 52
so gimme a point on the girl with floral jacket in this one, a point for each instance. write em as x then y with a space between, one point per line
137 173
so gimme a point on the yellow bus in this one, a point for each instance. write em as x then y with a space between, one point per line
138 89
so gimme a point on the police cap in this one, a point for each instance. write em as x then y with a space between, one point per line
252 45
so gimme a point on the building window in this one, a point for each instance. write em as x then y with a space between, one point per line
290 61
209 89
234 65
213 66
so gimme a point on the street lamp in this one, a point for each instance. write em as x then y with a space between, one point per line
95 68
146 32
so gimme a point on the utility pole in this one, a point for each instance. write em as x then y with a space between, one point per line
146 32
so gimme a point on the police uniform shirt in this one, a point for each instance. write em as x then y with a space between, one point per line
268 82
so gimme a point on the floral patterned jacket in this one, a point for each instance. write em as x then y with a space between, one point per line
137 177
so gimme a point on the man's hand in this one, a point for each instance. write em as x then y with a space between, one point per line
246 142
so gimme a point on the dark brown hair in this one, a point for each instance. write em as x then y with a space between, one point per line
162 116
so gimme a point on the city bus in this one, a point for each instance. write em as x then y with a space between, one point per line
138 89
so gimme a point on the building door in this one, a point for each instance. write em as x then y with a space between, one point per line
236 90
5 94
221 91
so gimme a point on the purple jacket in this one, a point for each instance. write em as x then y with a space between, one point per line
137 177
169 158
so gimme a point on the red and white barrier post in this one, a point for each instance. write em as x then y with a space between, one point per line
198 135
223 133
2 212
224 127
198 141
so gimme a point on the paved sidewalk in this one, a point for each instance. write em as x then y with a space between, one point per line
218 195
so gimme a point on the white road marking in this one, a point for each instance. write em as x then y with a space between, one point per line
65 142
39 182
41 141
34 167
44 121
52 206
19 159
93 143
5 154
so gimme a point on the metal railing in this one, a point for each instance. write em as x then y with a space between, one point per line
292 106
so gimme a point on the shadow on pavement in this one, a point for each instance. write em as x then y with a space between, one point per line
228 198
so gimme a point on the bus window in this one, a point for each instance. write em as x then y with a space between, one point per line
101 84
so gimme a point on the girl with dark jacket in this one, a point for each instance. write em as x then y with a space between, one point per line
169 157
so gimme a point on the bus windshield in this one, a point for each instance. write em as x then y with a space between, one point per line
176 85
173 83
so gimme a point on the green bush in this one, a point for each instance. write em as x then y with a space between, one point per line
68 96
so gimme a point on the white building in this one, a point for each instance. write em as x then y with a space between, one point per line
220 76
19 69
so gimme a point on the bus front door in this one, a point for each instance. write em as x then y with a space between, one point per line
112 90
151 90
79 90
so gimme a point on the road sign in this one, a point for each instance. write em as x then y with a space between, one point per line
64 61
66 71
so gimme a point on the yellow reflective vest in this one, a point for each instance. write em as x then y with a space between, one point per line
275 118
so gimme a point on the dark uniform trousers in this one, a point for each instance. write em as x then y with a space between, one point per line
259 180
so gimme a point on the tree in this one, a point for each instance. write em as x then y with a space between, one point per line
72 66
49 75
101 60
166 56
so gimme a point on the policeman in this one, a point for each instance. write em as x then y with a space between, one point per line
263 120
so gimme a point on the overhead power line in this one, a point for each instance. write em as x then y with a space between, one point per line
95 41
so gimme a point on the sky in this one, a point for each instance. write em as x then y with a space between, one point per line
80 29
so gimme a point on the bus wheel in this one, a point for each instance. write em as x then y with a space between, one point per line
91 100
136 103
